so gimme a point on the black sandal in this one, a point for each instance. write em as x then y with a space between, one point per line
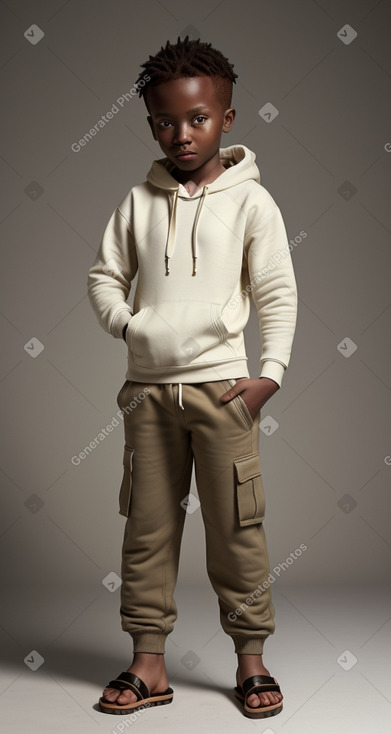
145 699
258 684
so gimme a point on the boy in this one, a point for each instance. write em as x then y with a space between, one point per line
202 234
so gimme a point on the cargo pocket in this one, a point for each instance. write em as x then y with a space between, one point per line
126 486
249 489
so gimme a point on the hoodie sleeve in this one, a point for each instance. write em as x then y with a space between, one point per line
109 278
273 289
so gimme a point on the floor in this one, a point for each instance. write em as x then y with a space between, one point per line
330 654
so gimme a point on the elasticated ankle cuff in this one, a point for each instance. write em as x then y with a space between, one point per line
245 645
149 642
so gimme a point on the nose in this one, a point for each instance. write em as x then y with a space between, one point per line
181 134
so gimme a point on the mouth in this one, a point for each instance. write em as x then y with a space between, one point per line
188 156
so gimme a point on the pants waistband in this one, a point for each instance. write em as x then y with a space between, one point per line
180 390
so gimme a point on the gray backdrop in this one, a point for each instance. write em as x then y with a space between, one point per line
325 158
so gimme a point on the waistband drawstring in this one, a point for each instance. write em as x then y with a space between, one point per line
162 385
180 396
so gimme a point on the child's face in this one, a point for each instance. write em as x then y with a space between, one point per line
186 115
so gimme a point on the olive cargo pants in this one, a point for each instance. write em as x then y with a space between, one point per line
166 427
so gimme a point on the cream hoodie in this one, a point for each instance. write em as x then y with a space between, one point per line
199 259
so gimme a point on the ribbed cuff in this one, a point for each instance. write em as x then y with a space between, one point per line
149 642
245 645
272 369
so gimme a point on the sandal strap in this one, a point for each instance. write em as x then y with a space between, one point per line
130 681
262 683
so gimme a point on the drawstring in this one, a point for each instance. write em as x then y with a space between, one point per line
172 229
180 396
194 231
162 385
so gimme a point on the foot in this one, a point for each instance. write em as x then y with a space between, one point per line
150 667
253 665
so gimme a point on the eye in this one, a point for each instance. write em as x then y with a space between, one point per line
165 123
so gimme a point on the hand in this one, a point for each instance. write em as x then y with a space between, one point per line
255 393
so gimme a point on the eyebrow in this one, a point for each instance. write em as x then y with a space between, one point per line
200 108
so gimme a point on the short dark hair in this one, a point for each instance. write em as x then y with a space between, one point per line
189 58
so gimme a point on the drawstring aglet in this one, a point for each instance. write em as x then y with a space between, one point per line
167 266
194 265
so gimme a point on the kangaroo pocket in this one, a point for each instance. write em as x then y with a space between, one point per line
176 333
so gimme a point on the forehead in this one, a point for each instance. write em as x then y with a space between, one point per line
181 95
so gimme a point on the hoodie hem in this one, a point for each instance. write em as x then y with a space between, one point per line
213 372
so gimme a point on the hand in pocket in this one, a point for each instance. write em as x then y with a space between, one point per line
254 393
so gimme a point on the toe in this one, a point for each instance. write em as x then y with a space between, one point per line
254 701
110 694
272 697
269 698
126 697
121 697
263 699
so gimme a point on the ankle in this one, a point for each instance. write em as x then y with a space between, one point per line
152 661
247 659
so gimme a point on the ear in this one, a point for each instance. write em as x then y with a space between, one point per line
150 122
229 118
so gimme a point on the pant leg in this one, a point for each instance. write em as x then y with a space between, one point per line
225 444
157 473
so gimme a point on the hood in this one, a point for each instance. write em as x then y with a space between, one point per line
240 165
